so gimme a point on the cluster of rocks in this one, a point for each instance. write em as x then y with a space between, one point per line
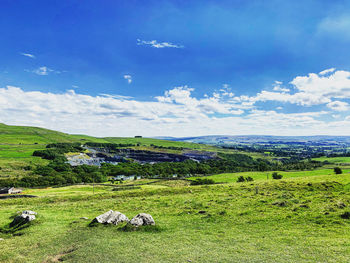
24 218
115 218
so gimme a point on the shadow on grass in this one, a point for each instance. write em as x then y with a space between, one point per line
126 227
14 227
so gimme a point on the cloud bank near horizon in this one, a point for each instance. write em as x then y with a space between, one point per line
322 100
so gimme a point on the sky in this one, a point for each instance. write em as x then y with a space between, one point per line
176 68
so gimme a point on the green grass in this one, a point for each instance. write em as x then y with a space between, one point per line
333 159
263 176
238 225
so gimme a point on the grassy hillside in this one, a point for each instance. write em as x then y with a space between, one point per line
295 219
263 176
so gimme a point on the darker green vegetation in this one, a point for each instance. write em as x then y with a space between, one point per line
242 179
110 147
338 170
200 181
57 172
277 176
54 151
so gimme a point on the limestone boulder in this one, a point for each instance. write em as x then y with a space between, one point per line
142 219
111 217
23 218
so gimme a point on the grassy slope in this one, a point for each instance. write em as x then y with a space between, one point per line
262 176
333 159
237 226
17 143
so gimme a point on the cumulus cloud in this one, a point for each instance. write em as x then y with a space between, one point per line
181 112
128 78
108 114
156 44
313 89
28 55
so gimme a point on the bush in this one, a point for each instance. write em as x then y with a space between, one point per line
200 181
249 179
337 170
277 176
240 179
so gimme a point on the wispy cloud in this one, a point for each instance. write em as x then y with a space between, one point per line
27 55
44 71
156 44
128 78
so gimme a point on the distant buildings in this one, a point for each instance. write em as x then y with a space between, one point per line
10 190
138 136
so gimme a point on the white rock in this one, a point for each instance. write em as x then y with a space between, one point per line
111 217
22 219
142 220
29 212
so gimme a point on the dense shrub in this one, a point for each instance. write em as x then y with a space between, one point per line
277 176
242 179
338 170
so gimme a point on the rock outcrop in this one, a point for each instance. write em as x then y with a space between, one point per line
111 217
142 220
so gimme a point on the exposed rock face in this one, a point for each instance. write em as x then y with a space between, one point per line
23 218
111 217
142 220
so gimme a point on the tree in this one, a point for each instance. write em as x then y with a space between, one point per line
337 170
277 176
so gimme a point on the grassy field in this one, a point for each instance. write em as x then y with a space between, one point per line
333 159
289 220
263 176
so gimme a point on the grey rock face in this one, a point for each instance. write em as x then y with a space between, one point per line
142 220
111 217
23 218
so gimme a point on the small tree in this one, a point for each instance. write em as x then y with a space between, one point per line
337 170
277 176
240 179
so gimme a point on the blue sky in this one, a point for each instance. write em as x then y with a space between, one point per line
231 64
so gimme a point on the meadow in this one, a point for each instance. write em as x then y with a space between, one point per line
288 220
300 218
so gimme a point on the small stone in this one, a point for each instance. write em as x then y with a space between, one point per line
84 218
142 220
1 239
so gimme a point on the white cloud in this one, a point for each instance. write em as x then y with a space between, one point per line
338 106
44 71
313 89
28 55
325 72
178 112
128 78
156 44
